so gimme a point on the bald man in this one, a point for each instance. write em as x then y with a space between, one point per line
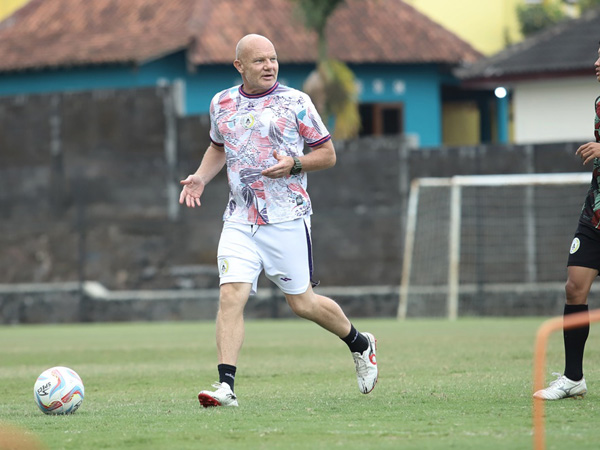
258 130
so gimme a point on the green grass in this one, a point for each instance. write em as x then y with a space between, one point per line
443 385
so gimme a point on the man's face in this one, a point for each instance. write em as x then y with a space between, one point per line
258 66
597 66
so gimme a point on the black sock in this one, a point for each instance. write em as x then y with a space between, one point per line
227 374
356 342
574 340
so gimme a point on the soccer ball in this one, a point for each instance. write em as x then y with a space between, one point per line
58 390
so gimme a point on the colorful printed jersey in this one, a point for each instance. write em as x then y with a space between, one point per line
590 213
251 127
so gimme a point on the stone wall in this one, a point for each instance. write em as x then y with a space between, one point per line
89 186
92 302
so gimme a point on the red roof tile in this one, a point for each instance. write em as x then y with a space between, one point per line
59 33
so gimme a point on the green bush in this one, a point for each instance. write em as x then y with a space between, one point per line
534 18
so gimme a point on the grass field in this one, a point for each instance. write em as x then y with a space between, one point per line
443 385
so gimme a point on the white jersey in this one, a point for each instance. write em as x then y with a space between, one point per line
251 127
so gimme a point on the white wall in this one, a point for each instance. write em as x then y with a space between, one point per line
554 110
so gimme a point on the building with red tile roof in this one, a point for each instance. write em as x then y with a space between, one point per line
402 60
550 80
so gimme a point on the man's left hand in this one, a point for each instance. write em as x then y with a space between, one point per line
281 169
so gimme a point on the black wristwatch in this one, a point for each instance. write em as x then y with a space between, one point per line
297 167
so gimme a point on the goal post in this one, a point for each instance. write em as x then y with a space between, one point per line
471 235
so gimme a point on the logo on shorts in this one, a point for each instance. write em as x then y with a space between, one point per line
223 266
285 279
574 245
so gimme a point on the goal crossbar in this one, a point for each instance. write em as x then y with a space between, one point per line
506 180
455 184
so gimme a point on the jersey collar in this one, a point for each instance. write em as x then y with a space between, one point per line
262 94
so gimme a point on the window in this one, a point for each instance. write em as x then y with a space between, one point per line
380 119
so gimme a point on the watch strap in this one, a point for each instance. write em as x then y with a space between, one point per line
297 167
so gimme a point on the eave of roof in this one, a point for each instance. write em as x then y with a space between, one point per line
563 50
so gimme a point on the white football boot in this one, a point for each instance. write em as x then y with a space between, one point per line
561 388
366 365
223 396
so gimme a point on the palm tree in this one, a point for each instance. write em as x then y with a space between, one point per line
331 85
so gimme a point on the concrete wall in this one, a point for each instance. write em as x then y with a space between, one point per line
488 26
89 186
92 302
540 119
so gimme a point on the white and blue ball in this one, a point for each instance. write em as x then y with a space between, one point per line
58 390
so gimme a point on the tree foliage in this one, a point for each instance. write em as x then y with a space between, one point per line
332 89
536 17
331 85
316 13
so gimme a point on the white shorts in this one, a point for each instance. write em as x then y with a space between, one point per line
282 250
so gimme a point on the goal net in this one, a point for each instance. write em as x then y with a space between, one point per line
489 244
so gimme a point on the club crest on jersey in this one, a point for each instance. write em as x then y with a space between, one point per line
223 266
248 121
574 245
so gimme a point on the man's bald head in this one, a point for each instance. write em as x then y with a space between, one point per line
250 41
256 61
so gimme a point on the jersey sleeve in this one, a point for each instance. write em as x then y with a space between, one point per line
310 125
215 135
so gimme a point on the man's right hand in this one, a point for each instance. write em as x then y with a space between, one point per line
192 190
